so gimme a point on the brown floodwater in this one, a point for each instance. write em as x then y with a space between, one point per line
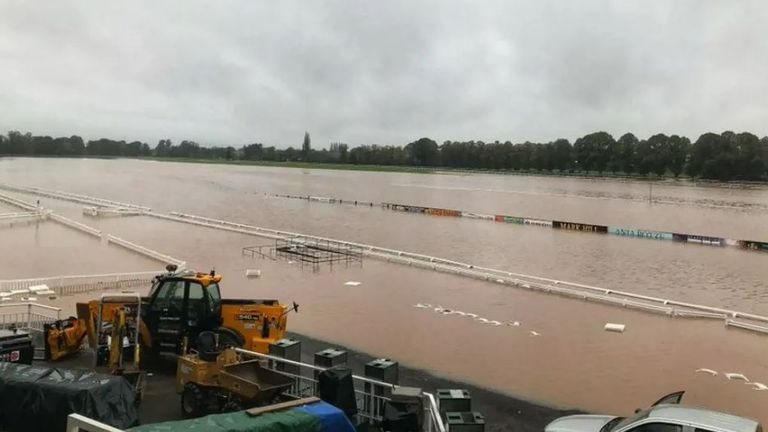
571 363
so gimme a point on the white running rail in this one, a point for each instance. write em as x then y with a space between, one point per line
167 259
75 225
20 215
624 299
68 196
76 284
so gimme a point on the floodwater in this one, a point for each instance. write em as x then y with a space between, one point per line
571 363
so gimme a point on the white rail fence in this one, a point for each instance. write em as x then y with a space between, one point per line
167 259
21 216
68 196
625 299
77 284
736 319
18 203
75 225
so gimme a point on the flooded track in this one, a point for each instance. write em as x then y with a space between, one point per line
570 362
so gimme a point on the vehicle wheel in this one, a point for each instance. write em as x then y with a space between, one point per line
192 401
232 405
226 340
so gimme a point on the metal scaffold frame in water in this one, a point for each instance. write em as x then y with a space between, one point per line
311 252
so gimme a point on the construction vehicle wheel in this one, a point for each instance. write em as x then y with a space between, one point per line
229 338
192 401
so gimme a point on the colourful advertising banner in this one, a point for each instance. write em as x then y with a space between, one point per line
442 212
753 245
538 222
573 226
632 232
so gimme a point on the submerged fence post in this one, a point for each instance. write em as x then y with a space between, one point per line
29 316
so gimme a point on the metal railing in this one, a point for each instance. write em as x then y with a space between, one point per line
370 394
27 316
81 423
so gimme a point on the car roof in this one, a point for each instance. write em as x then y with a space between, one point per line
703 418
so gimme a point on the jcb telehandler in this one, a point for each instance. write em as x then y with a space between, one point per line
181 305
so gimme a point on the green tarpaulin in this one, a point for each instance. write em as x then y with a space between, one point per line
317 417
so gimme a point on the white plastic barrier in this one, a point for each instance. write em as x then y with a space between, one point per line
69 285
144 251
624 299
68 196
76 225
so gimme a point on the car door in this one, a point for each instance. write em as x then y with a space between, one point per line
165 316
670 399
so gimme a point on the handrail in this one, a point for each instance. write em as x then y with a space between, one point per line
307 365
436 418
434 412
42 306
81 423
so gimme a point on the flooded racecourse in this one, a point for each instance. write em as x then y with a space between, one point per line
557 354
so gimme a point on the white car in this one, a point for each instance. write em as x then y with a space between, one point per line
666 415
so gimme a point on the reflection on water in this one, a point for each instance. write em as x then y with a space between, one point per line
572 362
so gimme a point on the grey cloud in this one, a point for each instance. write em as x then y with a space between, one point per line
233 72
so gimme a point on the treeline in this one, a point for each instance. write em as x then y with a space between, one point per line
725 156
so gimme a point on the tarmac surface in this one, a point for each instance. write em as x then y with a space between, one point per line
502 413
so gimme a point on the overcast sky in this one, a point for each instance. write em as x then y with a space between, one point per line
385 72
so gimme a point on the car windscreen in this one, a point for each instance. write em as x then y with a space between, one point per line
632 419
608 427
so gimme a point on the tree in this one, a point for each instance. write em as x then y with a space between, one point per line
163 148
658 153
253 151
703 150
562 155
305 147
623 157
679 147
423 152
593 151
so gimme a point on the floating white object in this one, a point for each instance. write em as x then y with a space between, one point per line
613 327
29 298
501 281
707 371
460 313
513 323
252 273
472 315
352 283
758 386
736 376
20 291
420 306
483 320
46 292
3 295
494 322
38 288
535 333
